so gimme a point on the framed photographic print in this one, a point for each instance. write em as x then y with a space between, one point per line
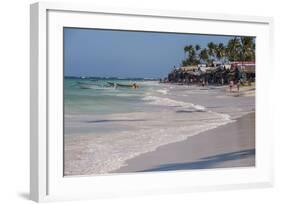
129 102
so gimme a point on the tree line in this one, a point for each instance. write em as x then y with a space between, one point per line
237 49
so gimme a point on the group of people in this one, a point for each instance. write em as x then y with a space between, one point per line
231 85
135 86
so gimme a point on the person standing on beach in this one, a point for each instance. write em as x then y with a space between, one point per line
231 85
203 83
238 86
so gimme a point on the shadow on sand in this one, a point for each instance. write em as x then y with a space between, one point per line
206 162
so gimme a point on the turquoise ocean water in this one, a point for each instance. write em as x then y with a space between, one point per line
97 96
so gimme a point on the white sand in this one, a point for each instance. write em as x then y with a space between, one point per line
231 145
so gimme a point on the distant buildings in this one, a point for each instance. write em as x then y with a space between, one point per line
217 73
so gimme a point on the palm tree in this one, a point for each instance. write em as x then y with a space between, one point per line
247 48
188 49
233 49
211 49
183 63
203 55
197 49
191 59
254 51
220 51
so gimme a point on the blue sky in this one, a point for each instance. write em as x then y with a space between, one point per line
109 53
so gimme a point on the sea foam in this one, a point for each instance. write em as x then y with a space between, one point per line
101 154
164 101
163 91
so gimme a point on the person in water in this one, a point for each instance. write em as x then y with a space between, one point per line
135 86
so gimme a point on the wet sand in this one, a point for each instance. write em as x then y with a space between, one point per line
230 145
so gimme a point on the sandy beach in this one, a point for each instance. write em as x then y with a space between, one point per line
232 145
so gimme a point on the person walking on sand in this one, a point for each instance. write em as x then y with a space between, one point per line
203 83
231 86
238 86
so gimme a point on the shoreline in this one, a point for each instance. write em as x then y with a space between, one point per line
236 149
157 116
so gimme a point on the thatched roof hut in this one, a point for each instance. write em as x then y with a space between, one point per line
188 68
249 69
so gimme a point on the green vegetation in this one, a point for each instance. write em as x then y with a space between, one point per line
237 49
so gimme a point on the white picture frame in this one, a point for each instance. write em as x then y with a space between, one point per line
46 178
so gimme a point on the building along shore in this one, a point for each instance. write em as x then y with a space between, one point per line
215 74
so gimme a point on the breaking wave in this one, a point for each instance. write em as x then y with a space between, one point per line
163 101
